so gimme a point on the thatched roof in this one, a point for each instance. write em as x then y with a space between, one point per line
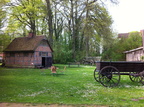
25 44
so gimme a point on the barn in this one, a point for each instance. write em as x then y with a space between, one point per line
31 51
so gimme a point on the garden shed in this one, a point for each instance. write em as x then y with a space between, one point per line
30 51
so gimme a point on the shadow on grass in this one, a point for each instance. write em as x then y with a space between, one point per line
51 74
125 84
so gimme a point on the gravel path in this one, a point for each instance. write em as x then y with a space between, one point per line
42 105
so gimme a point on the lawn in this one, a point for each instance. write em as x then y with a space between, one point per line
75 86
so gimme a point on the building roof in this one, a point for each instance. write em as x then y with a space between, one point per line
140 48
123 35
25 44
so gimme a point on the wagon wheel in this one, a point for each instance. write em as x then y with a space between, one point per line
142 80
134 77
109 76
96 75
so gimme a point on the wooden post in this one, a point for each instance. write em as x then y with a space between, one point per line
142 31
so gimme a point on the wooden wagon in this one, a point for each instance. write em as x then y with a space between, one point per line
109 73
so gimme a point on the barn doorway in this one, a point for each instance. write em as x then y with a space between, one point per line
46 62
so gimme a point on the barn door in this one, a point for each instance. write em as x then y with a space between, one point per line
46 61
43 61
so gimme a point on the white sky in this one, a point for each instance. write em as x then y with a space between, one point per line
128 15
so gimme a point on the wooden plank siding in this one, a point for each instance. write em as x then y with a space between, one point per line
135 54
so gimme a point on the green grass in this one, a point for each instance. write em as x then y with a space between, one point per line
75 86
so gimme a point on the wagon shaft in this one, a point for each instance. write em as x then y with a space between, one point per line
140 74
135 75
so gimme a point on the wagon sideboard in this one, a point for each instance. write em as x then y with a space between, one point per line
122 66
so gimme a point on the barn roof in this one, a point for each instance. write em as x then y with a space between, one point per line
140 48
25 44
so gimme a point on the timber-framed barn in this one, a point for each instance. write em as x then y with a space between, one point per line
30 51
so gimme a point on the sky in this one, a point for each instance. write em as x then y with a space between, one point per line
128 15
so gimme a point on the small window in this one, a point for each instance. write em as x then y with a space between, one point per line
43 53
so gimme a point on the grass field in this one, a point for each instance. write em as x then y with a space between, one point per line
75 86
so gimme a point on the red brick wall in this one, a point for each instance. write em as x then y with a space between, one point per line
19 60
44 49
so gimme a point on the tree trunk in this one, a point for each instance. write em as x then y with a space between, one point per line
73 31
86 26
50 22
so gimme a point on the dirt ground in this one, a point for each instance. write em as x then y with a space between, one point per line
42 105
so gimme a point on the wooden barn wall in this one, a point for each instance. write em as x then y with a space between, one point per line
135 55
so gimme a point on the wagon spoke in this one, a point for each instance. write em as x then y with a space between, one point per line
114 80
100 77
96 75
110 82
113 83
115 76
109 76
134 77
111 70
103 78
137 79
142 80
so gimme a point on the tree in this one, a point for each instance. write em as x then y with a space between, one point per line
85 20
133 41
2 13
85 24
50 21
4 39
75 28
115 52
26 13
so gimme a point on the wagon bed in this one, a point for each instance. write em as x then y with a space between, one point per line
108 73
